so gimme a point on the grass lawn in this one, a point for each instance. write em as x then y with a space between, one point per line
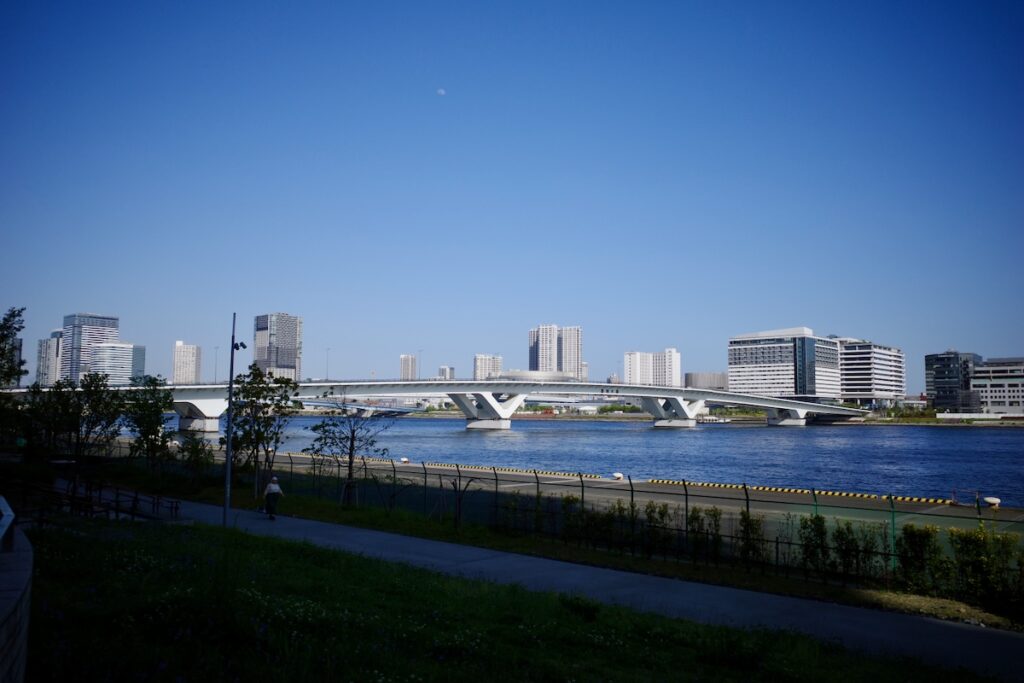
144 601
414 524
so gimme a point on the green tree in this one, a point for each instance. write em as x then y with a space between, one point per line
346 434
144 412
73 420
11 371
196 454
263 405
11 367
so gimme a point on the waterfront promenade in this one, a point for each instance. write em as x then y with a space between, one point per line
990 651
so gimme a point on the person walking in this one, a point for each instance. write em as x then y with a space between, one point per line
272 494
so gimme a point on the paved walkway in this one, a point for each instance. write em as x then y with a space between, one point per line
991 651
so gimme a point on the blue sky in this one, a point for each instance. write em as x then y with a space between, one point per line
437 178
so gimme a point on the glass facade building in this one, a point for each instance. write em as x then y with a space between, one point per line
947 378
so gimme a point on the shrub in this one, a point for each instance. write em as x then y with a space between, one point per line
695 531
847 549
872 539
658 535
983 563
196 455
751 537
814 544
714 529
923 567
572 518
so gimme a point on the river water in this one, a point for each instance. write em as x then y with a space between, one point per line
900 459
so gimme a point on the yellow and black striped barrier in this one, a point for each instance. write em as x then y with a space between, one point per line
916 499
781 489
514 470
847 494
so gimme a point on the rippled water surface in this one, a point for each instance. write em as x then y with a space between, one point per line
905 460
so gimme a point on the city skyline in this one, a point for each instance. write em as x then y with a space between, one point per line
409 362
796 165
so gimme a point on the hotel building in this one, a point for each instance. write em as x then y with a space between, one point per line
790 363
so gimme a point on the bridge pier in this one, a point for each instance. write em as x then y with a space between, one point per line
674 424
780 417
487 410
672 413
202 415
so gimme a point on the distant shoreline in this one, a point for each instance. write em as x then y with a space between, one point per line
737 419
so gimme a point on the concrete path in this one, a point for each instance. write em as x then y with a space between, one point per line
991 651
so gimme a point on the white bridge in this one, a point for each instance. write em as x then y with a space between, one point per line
489 404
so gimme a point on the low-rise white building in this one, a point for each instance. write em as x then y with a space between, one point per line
1000 385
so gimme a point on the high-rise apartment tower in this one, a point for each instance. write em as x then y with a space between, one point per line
486 366
83 331
407 371
277 342
48 359
187 363
554 349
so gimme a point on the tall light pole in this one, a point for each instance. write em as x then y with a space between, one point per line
230 430
327 364
216 356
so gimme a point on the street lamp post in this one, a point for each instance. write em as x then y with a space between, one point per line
230 430
327 364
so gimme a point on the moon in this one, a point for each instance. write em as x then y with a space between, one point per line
441 92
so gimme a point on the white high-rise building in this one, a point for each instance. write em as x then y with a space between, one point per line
187 363
570 351
486 366
446 372
667 368
638 368
119 362
554 349
871 374
790 363
662 369
408 367
544 348
83 331
48 359
277 342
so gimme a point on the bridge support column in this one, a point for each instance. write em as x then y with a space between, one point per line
487 411
779 417
201 415
672 413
